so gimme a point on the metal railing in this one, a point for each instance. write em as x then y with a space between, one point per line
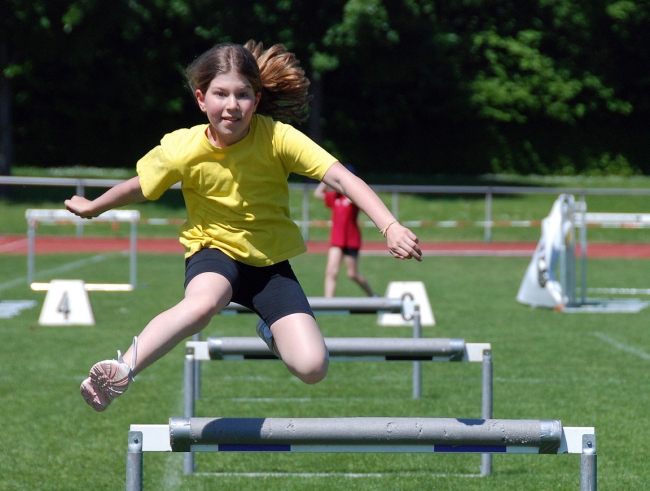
80 184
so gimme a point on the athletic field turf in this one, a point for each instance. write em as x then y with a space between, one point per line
584 369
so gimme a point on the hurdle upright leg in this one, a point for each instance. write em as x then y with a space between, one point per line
189 398
31 251
197 371
417 366
134 462
588 461
486 412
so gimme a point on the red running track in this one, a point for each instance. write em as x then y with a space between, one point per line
17 244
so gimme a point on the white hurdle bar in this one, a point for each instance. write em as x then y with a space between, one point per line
344 305
34 216
367 435
345 349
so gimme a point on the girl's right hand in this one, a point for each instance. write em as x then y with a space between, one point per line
80 206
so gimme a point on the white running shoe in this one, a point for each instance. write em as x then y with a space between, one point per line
264 332
108 380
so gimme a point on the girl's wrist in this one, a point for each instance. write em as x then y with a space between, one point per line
384 230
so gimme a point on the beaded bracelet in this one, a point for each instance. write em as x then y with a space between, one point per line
385 229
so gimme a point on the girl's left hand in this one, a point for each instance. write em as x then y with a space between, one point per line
402 243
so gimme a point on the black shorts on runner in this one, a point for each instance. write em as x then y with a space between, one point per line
347 251
272 292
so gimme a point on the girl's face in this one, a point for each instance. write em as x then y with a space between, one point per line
229 103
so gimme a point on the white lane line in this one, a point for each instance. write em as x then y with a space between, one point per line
329 474
59 269
622 347
10 246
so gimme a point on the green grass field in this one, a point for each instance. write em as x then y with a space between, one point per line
584 369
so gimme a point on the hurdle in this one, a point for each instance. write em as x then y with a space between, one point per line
346 349
362 435
352 305
344 305
341 349
36 216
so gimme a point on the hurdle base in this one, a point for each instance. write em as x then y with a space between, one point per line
89 287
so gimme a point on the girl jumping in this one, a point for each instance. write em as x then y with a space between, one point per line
238 235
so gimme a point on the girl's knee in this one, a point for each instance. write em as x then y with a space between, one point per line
314 373
204 313
331 273
199 312
301 347
312 369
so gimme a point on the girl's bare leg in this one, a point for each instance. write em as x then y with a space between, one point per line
334 258
206 295
301 346
352 268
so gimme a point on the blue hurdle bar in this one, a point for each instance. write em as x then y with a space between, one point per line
379 435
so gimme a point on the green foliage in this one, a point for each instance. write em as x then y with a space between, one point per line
610 166
323 62
364 21
432 87
521 81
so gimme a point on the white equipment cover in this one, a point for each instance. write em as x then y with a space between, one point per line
540 287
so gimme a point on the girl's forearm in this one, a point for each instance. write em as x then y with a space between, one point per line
124 194
360 193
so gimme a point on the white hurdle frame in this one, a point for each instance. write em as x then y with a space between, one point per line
346 305
35 216
579 218
367 435
346 349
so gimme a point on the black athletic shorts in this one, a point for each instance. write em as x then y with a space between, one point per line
347 251
272 292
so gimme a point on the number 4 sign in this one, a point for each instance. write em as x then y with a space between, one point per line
66 304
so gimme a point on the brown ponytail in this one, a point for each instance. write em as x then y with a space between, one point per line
285 93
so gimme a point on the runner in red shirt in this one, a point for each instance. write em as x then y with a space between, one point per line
345 239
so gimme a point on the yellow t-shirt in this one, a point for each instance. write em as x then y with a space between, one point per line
237 197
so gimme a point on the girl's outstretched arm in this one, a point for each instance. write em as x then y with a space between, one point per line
123 194
402 243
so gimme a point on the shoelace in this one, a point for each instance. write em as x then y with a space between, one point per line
134 357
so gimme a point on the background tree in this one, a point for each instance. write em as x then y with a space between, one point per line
471 86
483 86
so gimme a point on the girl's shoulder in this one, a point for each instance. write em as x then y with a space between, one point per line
268 125
183 136
182 145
